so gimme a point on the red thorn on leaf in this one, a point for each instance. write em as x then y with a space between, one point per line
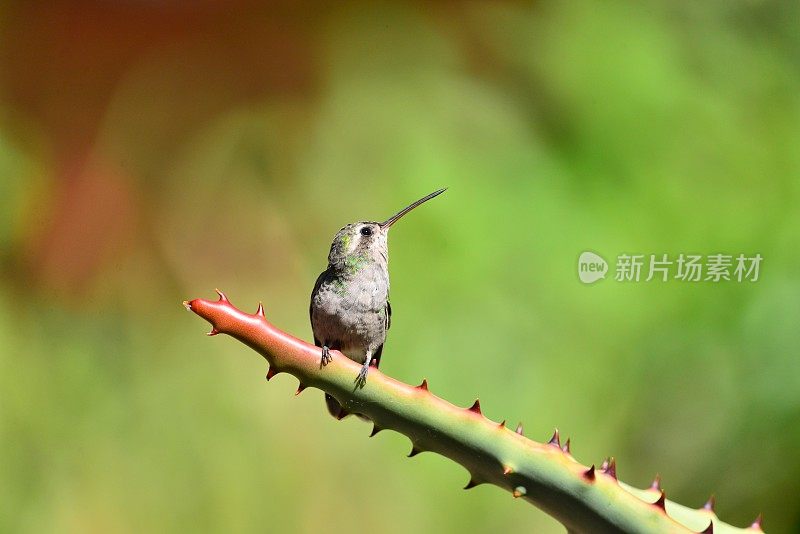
610 468
476 407
555 440
270 373
414 451
661 502
565 448
424 385
375 430
187 305
519 429
213 332
709 529
710 503
589 473
502 424
222 297
300 388
757 523
656 485
260 311
507 471
471 484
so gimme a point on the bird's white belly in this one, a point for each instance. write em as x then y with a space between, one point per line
351 316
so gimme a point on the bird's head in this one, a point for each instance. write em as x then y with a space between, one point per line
360 243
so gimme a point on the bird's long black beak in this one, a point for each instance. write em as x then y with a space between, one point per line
394 218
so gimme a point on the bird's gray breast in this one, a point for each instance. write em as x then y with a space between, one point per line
349 312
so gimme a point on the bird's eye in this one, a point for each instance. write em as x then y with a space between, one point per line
366 230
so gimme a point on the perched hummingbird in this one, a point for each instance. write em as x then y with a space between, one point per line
350 309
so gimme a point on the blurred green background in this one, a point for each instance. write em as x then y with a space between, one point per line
150 152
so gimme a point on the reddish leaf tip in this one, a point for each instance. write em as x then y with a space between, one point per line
710 503
300 388
757 523
476 407
519 429
589 473
566 447
424 385
222 297
260 310
187 305
656 485
502 424
213 332
507 471
270 373
555 440
661 502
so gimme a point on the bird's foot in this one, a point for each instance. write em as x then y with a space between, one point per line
326 356
361 379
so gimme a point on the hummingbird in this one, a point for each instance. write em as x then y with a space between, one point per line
350 310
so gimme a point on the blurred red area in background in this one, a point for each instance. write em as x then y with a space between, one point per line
62 63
